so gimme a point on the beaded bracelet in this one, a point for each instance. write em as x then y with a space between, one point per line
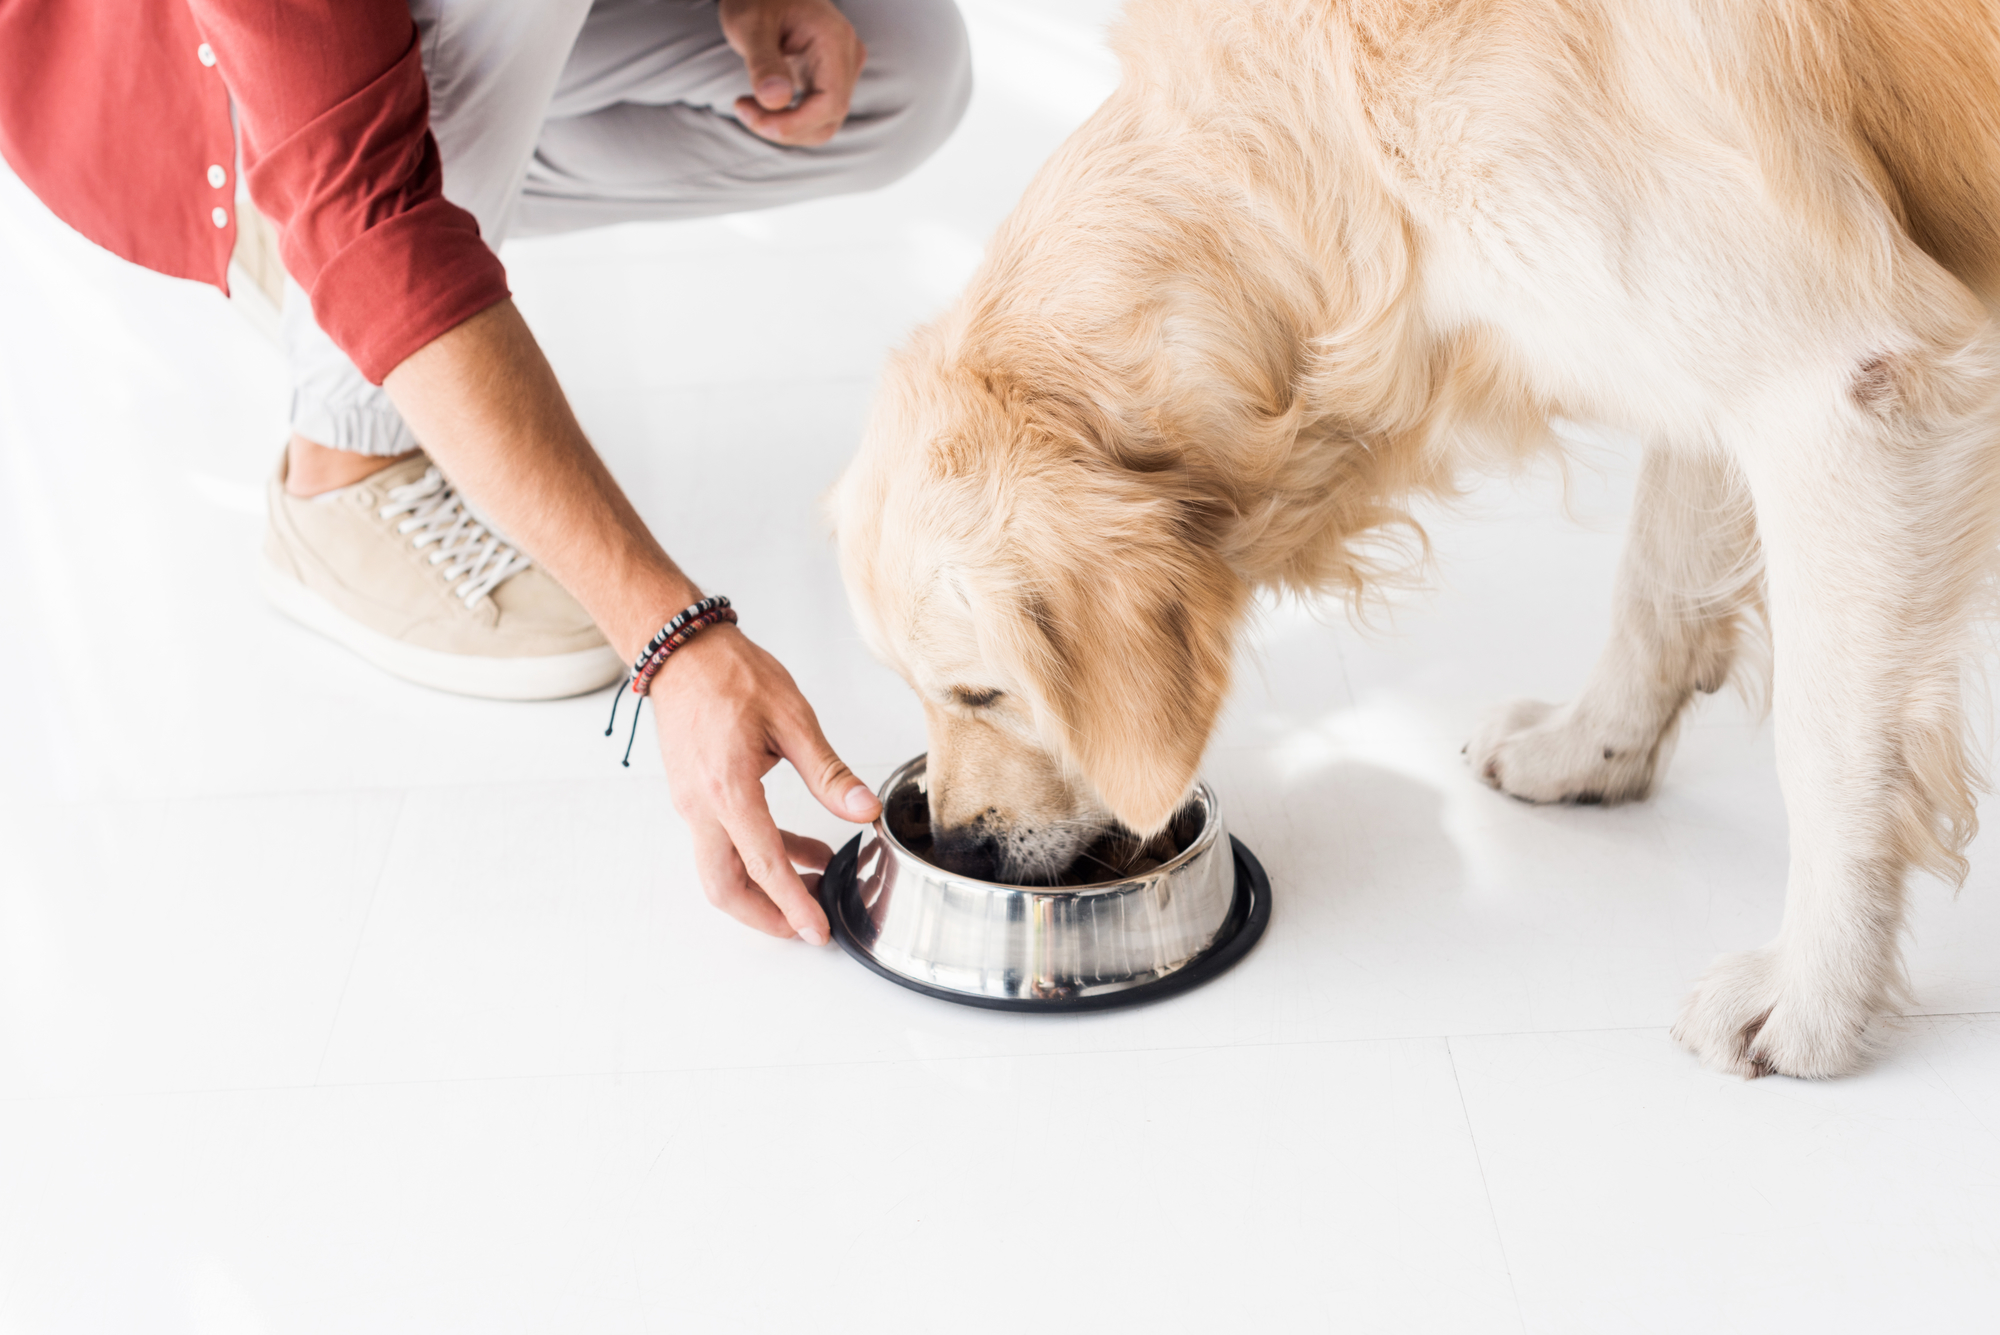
676 633
704 606
642 681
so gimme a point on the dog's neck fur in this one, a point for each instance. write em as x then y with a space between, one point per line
1249 276
1199 277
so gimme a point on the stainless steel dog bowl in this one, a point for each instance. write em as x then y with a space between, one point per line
1032 948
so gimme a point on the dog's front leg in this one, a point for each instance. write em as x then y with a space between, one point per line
1877 532
1687 578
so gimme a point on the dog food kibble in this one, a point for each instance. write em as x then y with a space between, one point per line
1118 855
1115 855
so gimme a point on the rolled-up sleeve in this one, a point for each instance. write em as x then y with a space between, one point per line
333 114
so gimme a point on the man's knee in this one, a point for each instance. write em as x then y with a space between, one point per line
915 86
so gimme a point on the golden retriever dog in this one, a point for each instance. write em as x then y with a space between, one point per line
1314 258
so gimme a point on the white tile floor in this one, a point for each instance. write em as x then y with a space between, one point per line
332 1004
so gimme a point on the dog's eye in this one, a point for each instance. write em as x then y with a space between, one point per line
972 699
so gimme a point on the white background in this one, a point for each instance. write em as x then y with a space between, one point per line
332 1004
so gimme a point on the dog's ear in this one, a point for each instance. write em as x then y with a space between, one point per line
1124 617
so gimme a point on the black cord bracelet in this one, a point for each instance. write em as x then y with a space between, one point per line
667 631
684 627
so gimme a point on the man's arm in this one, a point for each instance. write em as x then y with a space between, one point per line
333 111
332 102
486 404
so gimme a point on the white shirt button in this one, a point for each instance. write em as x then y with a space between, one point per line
218 177
221 216
205 54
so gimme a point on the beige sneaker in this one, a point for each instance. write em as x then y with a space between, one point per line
397 570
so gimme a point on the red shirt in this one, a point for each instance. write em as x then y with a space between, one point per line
116 113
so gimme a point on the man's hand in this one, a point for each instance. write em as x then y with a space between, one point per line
727 713
486 405
803 59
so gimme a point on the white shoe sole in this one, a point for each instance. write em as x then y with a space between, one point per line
547 678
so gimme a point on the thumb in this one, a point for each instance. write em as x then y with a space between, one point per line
835 785
762 45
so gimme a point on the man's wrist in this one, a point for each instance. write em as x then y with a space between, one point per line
703 644
646 613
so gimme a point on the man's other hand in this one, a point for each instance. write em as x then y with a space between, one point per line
803 59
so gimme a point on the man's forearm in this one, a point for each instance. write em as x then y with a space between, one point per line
484 402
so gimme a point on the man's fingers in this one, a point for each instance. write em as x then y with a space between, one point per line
759 37
794 50
773 88
811 123
769 864
825 773
728 886
807 853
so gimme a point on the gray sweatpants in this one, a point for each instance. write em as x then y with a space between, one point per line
557 115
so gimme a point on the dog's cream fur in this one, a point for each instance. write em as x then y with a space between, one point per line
1316 257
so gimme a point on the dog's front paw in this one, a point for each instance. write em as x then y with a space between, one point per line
1546 753
1743 1019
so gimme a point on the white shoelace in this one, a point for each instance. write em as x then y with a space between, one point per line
467 549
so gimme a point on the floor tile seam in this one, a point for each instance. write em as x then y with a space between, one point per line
402 790
361 934
1485 1185
26 804
722 1068
1945 1083
1038 1055
650 1072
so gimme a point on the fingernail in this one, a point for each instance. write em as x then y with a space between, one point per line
860 803
812 936
775 92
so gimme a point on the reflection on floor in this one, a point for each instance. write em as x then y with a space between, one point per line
333 1004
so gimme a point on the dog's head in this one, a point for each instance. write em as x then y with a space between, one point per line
1057 603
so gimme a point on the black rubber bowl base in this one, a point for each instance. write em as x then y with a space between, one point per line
1249 914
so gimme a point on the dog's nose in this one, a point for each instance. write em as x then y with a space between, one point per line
967 850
